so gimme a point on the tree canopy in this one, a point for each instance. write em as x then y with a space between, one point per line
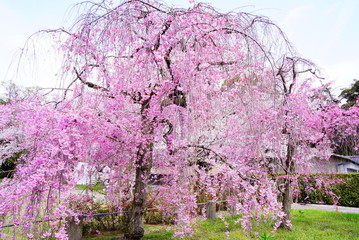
351 94
212 99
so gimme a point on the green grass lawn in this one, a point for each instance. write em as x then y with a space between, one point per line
314 224
94 187
307 224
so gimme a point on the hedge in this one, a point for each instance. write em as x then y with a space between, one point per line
319 188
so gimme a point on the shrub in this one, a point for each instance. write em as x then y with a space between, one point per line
111 222
347 190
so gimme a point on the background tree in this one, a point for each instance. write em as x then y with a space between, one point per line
350 94
344 138
10 152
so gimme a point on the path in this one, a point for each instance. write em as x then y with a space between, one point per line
329 208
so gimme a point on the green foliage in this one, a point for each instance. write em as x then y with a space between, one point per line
94 187
157 217
266 236
347 191
113 222
301 213
350 94
9 164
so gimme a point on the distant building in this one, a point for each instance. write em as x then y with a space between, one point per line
335 164
345 164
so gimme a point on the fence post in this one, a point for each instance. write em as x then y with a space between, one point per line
75 230
211 210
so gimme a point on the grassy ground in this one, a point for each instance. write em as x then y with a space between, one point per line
95 187
307 224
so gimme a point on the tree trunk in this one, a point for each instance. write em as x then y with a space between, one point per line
143 170
287 198
287 201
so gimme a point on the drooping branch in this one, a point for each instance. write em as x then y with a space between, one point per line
169 132
218 157
87 83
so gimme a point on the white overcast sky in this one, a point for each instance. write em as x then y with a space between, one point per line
324 31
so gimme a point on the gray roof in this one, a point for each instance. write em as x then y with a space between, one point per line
354 159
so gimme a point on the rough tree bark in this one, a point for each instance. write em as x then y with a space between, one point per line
287 198
136 230
143 170
289 167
